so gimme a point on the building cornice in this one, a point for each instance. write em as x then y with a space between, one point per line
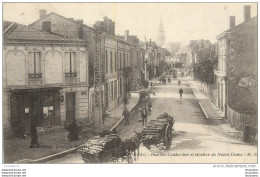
223 34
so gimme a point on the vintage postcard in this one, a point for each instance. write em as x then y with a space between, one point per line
130 83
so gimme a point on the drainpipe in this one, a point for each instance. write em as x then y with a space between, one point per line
88 104
226 98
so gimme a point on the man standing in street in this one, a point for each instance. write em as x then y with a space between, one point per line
125 100
144 115
126 115
181 91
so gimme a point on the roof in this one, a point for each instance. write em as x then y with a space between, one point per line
69 19
20 32
237 26
241 24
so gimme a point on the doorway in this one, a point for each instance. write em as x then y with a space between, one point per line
70 107
36 105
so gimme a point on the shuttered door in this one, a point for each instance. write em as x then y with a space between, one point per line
70 106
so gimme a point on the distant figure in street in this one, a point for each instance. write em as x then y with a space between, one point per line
126 115
181 91
144 115
125 100
246 134
164 81
34 136
73 131
169 79
179 82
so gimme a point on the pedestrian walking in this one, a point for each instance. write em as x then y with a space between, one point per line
169 79
125 100
34 136
126 115
179 82
181 91
144 115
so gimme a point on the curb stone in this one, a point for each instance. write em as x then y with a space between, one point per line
203 110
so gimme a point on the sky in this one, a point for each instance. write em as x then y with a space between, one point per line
182 21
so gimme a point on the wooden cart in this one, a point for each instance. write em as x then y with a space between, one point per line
94 151
158 132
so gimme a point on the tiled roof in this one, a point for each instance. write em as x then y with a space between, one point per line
24 33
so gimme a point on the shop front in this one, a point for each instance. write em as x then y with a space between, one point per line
41 106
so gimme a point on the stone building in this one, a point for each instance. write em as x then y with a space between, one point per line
136 60
45 77
70 27
117 57
236 74
112 50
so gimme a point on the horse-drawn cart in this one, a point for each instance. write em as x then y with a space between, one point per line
158 132
107 149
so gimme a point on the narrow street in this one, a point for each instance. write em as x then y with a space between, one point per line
194 139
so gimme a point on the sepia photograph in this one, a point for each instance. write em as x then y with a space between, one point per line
132 83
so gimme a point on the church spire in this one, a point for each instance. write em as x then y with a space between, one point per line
161 34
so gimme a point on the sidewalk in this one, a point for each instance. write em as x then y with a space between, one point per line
211 114
116 113
204 101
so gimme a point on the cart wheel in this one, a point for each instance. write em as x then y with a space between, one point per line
168 137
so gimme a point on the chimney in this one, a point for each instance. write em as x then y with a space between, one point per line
232 22
42 13
150 42
46 26
247 13
126 35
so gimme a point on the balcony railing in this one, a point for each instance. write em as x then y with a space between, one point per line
35 75
71 74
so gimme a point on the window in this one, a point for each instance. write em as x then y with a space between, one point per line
120 88
48 106
112 91
115 61
115 87
70 64
34 65
120 61
106 62
124 61
111 61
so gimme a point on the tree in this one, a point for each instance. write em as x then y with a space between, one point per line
204 70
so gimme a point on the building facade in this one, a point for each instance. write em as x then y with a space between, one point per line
237 66
45 78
